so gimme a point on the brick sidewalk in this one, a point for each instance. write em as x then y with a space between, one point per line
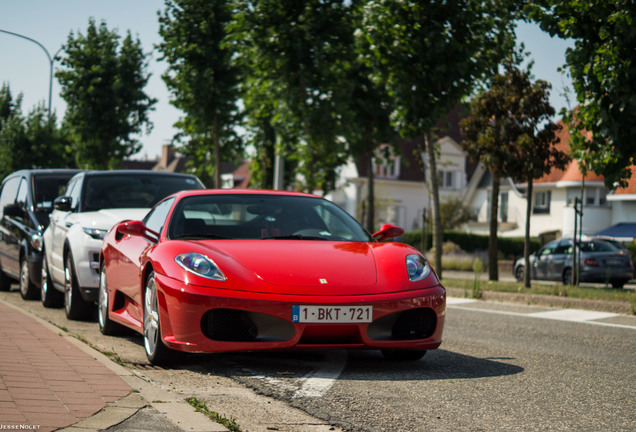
46 382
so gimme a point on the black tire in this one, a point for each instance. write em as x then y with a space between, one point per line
75 306
519 273
403 355
5 282
618 283
106 325
50 297
566 278
156 352
28 290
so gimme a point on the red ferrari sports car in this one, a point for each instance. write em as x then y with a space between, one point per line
244 270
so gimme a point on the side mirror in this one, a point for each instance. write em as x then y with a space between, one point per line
388 231
62 203
13 210
137 228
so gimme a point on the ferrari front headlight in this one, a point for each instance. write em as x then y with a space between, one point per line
417 267
200 265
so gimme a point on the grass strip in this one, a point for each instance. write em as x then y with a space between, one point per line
201 407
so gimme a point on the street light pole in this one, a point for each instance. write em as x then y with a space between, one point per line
48 56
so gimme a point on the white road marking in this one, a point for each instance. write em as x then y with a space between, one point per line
571 315
459 300
318 382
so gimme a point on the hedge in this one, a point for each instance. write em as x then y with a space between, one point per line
509 247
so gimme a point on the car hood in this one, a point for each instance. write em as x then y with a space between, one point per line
105 219
303 263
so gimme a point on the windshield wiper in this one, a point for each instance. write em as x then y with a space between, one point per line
293 237
200 236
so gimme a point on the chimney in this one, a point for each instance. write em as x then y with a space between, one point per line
167 154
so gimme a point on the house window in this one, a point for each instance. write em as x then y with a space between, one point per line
541 202
445 179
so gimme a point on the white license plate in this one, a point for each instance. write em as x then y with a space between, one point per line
614 262
332 314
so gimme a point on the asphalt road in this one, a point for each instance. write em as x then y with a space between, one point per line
501 367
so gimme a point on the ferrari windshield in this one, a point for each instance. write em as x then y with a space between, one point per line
266 217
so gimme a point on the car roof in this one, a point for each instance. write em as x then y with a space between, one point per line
201 192
43 171
135 172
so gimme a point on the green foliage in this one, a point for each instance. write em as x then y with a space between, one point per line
509 247
296 56
601 65
102 83
203 79
31 141
454 213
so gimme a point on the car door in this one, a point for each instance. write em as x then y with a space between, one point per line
561 258
543 261
9 231
126 261
59 225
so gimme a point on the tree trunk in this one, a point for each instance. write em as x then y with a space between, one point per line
437 221
526 242
217 154
493 247
370 220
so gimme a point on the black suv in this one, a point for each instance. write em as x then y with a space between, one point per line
26 200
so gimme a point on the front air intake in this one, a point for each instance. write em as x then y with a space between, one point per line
406 325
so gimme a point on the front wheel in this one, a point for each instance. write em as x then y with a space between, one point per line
156 352
519 273
75 306
28 291
403 355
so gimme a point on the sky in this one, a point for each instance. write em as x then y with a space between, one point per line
26 69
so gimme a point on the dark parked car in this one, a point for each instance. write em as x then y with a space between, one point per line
601 261
26 200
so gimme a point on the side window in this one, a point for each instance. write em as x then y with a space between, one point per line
548 250
74 191
23 191
9 193
156 219
564 248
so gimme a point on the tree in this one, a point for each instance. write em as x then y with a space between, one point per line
296 53
203 79
509 130
454 213
103 85
428 55
601 65
31 141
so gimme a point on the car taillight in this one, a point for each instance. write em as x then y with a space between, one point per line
591 262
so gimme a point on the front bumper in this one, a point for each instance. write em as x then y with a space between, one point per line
190 317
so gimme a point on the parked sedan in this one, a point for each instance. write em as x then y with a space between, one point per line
94 202
600 261
26 200
229 270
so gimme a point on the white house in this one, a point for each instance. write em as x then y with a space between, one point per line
553 213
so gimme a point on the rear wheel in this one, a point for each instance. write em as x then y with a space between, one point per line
106 326
618 283
48 294
156 351
567 276
28 290
75 306
403 355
